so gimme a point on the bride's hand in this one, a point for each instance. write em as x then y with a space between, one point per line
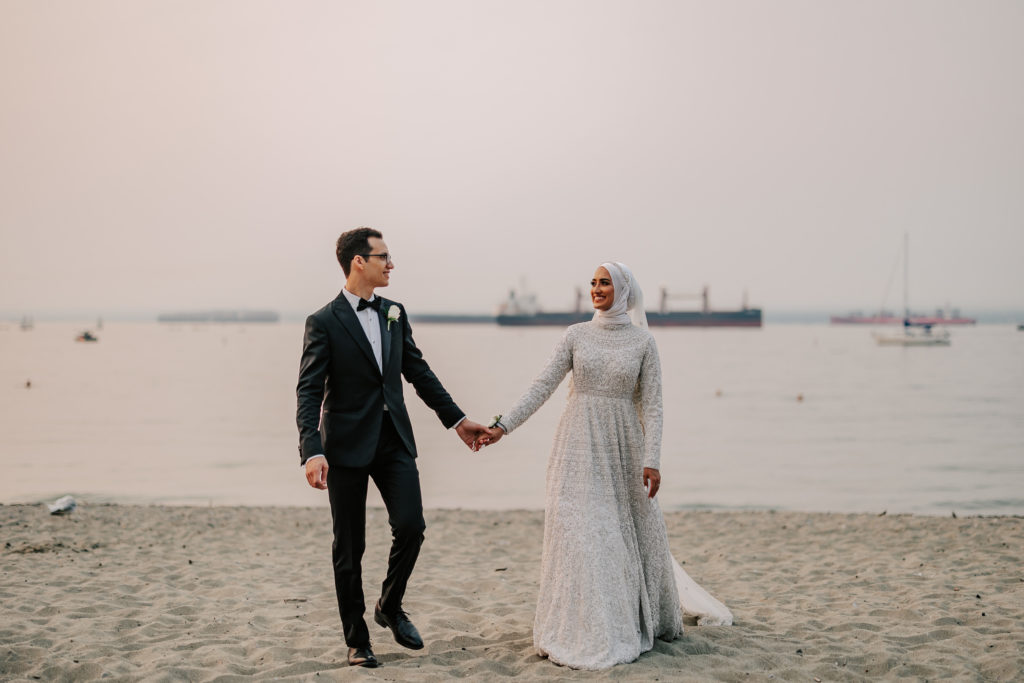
652 481
494 435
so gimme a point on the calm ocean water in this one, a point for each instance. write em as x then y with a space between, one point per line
193 414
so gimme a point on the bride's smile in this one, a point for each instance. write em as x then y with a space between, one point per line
602 292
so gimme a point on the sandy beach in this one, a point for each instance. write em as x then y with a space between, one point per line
186 593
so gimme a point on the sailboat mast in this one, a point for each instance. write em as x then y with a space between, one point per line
906 276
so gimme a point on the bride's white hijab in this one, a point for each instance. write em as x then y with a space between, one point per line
628 302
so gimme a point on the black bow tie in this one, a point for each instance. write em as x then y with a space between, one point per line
375 304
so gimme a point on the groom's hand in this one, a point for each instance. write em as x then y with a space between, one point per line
470 432
316 473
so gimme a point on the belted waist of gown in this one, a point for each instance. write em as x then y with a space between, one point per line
604 393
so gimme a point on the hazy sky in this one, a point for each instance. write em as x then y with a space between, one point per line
202 153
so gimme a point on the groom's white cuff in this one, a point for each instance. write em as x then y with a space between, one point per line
318 455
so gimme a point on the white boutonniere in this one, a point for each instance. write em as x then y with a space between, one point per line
394 312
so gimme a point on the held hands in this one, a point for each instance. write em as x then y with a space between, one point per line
476 436
472 434
492 435
652 481
495 431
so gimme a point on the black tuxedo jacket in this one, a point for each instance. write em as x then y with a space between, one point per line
339 373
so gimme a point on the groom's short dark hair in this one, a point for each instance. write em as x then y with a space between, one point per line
353 243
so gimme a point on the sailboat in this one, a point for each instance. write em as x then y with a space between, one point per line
912 334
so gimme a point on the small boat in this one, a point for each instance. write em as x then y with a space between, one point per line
910 336
1020 328
87 336
926 337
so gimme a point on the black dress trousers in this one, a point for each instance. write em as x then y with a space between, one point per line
393 470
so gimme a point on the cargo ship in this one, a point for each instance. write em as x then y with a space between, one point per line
523 310
221 316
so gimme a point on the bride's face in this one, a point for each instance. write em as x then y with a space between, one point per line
602 291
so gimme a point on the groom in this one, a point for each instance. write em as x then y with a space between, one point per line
355 352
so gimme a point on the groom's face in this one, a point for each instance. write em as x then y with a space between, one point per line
378 270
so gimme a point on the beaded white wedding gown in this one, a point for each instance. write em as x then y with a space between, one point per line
609 585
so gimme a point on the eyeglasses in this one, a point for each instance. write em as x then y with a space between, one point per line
386 257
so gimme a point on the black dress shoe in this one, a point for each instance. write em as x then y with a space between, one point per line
362 656
406 634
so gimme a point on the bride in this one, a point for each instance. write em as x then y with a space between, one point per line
609 585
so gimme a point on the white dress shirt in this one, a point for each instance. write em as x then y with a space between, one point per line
370 320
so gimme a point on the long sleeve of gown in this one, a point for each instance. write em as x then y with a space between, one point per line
543 386
649 405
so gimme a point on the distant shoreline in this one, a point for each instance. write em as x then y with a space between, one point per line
220 316
771 317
